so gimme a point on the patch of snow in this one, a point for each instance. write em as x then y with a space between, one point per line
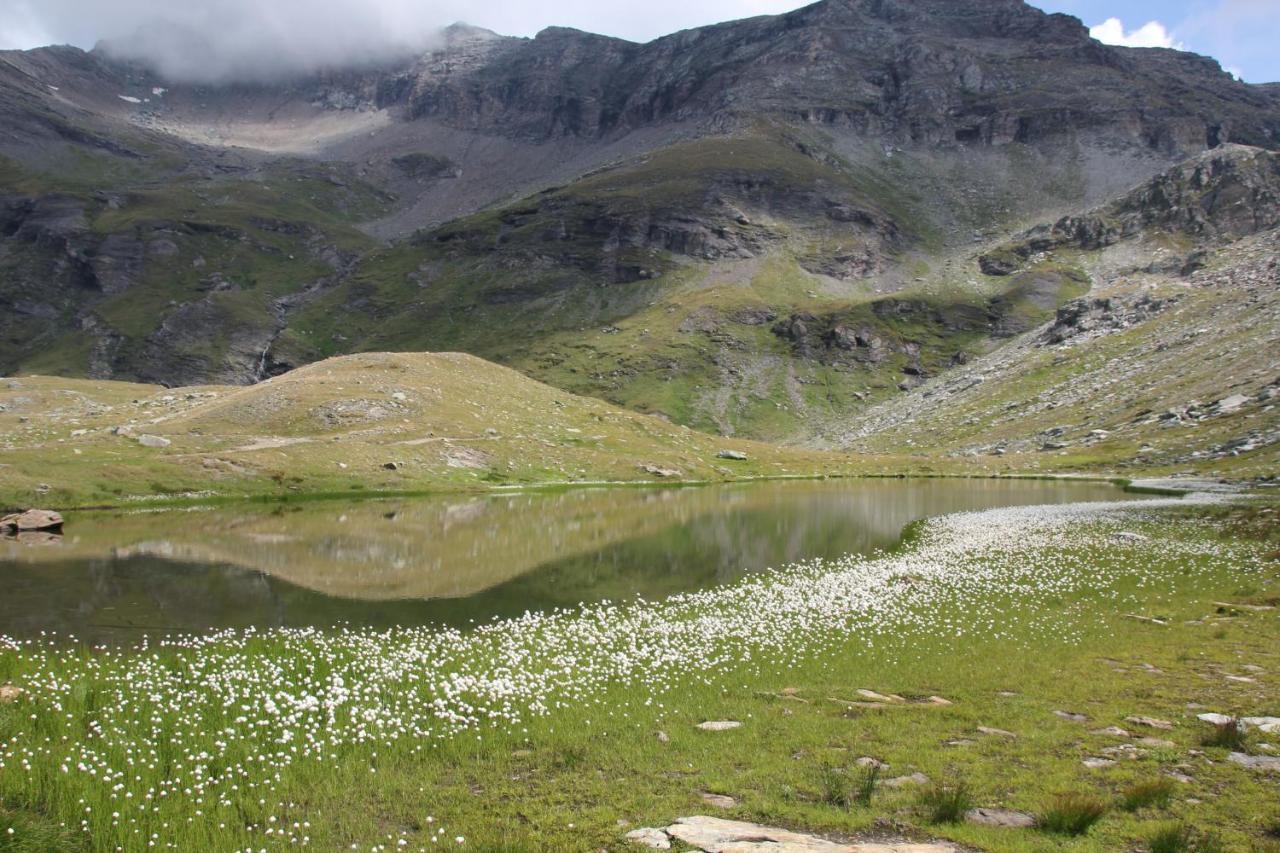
130 99
158 91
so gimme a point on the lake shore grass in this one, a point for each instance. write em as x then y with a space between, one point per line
564 732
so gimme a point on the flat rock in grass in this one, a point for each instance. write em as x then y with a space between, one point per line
1097 763
1156 743
9 693
719 725
654 839
1215 719
715 835
720 801
1000 817
987 730
1150 722
1270 725
906 781
153 441
732 455
1255 762
1072 716
873 696
1113 731
938 700
868 761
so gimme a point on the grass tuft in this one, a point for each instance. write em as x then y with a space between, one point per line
1230 735
946 803
1072 814
1156 793
1180 838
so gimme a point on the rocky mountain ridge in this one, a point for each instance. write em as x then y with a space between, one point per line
766 227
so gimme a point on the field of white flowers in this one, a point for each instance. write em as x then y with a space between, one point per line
183 742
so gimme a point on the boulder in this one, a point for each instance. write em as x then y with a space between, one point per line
661 473
153 441
735 455
9 693
32 520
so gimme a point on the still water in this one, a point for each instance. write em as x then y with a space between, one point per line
117 576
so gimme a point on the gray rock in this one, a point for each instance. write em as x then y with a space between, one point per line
719 725
1000 817
906 781
1097 763
715 835
154 441
654 839
1255 762
735 455
987 730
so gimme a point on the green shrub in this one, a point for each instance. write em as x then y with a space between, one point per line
866 786
1072 814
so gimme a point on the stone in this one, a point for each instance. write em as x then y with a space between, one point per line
1215 719
938 700
715 835
391 466
1156 743
1230 404
873 696
987 730
663 737
1269 725
9 693
1097 763
720 801
32 520
1255 762
1150 722
734 455
1072 716
906 781
660 472
1000 817
868 761
153 441
654 839
719 725
1114 731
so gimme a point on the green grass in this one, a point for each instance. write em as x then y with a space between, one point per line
564 781
1072 813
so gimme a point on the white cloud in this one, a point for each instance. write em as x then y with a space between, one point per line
1150 34
247 35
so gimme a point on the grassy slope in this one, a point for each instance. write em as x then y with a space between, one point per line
1209 345
446 421
533 286
580 777
265 233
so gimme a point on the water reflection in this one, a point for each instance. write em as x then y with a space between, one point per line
114 576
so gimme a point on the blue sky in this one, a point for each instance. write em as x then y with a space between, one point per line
1244 35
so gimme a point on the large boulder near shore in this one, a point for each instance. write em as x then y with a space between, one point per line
32 519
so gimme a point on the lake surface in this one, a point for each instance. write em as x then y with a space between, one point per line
117 576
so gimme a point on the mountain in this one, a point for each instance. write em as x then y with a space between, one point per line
777 228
